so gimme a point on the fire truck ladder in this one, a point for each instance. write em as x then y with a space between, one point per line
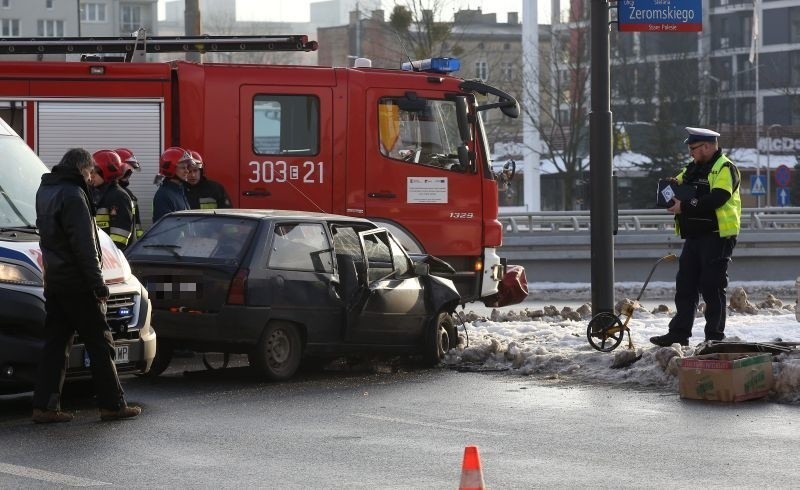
135 48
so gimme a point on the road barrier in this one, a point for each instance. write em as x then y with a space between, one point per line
556 246
637 220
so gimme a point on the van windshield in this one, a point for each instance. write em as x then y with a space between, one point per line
20 175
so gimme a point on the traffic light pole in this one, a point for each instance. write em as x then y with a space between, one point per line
600 155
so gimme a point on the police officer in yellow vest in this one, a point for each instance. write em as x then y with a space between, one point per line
709 224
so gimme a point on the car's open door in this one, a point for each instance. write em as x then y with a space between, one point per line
391 309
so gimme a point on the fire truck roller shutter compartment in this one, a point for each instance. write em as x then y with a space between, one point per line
98 125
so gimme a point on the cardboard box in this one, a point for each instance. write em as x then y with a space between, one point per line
725 377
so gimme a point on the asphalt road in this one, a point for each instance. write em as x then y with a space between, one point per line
397 427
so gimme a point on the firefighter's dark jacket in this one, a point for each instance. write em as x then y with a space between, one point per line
207 194
114 213
68 236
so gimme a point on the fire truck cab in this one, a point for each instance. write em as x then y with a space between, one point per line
405 148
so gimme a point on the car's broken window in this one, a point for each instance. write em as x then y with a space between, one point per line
300 246
379 256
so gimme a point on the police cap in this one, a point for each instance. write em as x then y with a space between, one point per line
697 135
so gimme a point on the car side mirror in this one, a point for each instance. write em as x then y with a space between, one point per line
422 269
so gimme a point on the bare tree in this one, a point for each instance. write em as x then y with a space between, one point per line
563 104
419 26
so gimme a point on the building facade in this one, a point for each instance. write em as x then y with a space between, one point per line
60 18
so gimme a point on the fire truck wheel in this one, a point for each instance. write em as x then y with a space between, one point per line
439 338
164 352
278 353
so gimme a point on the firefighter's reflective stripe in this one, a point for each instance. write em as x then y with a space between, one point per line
207 203
103 219
115 214
120 235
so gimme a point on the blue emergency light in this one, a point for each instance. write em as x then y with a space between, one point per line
433 65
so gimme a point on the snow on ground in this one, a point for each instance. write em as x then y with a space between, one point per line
540 341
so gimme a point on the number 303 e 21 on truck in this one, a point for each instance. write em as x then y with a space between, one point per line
404 148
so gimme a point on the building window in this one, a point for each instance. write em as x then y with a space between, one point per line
6 4
508 71
794 25
130 18
48 4
9 28
507 46
482 70
794 70
50 28
93 12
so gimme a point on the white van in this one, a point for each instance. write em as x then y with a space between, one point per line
21 288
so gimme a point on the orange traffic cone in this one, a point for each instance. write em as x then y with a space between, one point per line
471 472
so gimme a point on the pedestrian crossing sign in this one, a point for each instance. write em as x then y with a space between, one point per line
758 185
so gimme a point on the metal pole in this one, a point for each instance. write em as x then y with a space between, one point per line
79 17
191 16
769 154
600 155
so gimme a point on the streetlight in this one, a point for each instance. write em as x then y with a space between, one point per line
769 153
717 82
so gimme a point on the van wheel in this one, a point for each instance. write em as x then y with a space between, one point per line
278 353
439 338
164 352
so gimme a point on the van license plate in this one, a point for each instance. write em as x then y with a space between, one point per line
122 354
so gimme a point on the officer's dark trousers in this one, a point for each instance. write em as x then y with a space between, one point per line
702 270
67 313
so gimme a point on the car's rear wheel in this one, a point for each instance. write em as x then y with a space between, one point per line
164 352
279 351
439 338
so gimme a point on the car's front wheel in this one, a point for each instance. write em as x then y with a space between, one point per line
439 338
278 353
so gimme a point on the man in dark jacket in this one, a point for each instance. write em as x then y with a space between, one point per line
173 167
204 193
74 291
132 164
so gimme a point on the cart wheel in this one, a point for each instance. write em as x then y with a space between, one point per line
605 332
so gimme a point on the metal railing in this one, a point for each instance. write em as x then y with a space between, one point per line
638 220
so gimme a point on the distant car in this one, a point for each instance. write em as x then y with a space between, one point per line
22 311
280 285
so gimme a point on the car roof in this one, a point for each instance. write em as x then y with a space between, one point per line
270 214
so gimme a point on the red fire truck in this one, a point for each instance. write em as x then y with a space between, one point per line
406 149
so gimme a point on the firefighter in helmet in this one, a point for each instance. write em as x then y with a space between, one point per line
202 192
114 205
129 160
173 166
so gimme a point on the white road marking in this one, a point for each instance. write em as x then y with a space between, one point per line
430 424
49 476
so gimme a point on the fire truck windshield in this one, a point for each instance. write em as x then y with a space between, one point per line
425 132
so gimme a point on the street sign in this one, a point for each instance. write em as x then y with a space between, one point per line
782 176
758 185
784 196
660 15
